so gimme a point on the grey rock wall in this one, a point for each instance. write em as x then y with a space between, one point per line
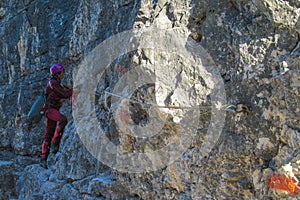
255 46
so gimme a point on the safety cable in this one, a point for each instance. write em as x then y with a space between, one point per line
152 104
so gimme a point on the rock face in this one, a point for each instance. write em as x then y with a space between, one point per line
164 134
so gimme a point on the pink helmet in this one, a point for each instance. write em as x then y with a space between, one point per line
56 68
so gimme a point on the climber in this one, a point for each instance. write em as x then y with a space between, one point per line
55 121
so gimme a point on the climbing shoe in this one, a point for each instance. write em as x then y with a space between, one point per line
55 148
43 163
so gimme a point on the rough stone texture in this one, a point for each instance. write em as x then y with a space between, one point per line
256 44
7 179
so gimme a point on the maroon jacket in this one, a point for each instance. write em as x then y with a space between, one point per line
55 93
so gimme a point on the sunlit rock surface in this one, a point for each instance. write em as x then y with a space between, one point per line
252 46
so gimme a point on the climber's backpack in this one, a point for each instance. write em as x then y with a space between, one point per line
36 111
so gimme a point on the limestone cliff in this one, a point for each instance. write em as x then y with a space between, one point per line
175 99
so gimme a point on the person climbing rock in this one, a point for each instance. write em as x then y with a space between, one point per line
55 121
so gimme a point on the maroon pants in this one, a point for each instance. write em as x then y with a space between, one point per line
55 125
